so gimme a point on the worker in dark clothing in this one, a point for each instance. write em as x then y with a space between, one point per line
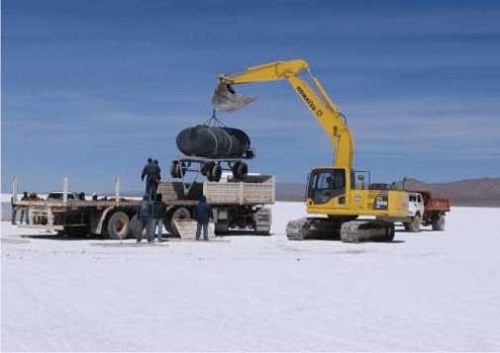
144 216
155 180
152 174
159 214
24 210
14 210
202 214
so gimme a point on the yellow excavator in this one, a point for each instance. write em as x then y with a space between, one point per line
341 199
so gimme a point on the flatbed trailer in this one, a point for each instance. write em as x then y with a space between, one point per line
237 204
81 217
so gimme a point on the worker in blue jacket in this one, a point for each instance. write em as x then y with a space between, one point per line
144 218
203 214
152 172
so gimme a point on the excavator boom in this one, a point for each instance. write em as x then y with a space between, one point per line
272 71
315 98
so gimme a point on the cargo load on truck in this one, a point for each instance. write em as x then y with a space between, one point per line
214 142
209 149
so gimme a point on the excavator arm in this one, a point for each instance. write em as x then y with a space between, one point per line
315 98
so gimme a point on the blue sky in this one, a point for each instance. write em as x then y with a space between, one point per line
90 89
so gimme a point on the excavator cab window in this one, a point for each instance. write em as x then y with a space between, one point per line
325 184
360 179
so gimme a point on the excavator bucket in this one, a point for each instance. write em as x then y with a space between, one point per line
225 98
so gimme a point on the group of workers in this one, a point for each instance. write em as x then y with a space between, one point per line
152 211
24 218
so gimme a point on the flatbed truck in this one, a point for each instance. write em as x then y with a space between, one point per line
237 203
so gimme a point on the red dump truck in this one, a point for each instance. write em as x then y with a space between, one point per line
434 210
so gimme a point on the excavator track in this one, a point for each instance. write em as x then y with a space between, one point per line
347 231
313 228
367 230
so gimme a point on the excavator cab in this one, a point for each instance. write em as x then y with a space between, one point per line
326 188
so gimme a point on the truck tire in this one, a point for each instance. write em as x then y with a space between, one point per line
206 170
133 226
240 169
414 225
118 226
438 223
181 213
175 170
214 172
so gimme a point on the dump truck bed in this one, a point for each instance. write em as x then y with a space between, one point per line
438 205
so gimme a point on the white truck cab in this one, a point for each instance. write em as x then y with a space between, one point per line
415 212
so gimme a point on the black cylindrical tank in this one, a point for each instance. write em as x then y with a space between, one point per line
213 142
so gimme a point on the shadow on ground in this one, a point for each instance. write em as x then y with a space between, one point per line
243 232
63 237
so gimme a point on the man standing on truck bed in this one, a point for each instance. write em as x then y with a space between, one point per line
156 178
152 172
202 214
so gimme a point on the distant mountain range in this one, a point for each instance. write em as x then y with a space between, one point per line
471 192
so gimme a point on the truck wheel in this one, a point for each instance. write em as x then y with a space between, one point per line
205 169
180 213
240 169
414 225
133 226
175 169
438 223
212 171
118 225
215 172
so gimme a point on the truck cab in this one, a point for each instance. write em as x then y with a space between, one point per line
59 196
415 212
415 204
